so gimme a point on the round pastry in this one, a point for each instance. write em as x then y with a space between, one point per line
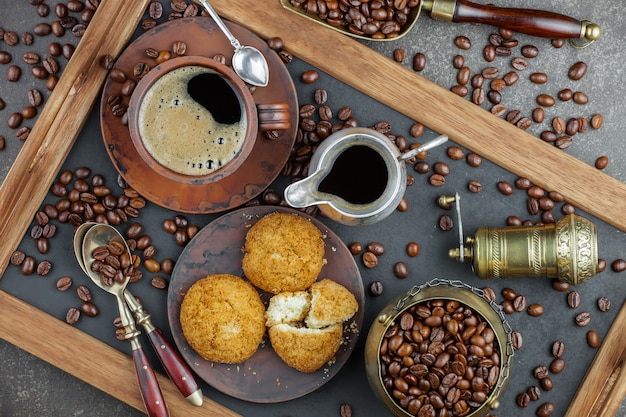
331 303
304 349
223 318
283 252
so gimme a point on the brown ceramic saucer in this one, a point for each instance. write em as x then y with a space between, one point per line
264 378
202 37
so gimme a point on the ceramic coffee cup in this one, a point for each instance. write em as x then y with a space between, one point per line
192 119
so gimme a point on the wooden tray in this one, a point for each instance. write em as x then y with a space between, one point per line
68 107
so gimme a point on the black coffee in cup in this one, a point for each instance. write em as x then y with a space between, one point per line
192 121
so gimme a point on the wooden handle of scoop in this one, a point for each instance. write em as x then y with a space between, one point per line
529 21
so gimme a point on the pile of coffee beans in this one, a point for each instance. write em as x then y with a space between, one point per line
113 263
376 19
440 355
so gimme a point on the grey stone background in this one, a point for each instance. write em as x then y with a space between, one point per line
30 387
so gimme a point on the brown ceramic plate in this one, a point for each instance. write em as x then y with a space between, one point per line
202 37
264 378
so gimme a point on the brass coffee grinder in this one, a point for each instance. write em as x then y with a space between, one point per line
567 249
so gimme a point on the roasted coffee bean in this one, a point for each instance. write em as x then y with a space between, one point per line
17 258
519 63
601 265
505 188
489 53
618 265
565 94
458 61
508 293
546 383
309 76
558 348
456 153
83 292
441 168
412 249
545 410
89 309
545 100
563 142
559 125
497 84
593 339
557 365
460 90
68 50
14 73
27 266
419 62
539 115
510 78
580 98
42 29
72 316
64 283
437 180
517 340
57 29
604 304
44 267
463 75
446 223
22 133
519 303
577 71
573 299
344 113
345 410
369 259
583 319
539 77
496 98
474 186
522 400
400 270
11 38
376 288
530 51
5 57
159 283
596 121
376 248
463 42
540 372
535 310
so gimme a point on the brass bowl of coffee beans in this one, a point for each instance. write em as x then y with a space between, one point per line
442 345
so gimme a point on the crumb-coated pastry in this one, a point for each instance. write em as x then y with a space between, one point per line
331 303
223 318
283 252
287 307
304 349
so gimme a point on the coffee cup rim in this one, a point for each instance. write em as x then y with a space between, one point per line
240 88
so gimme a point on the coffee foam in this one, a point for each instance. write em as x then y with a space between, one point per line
181 134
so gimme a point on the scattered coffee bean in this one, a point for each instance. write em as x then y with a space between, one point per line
522 400
593 339
558 348
573 299
602 162
474 186
545 100
376 288
530 51
545 410
546 383
565 94
72 316
310 76
557 365
505 188
400 270
539 77
534 393
369 259
540 372
345 410
376 248
516 340
412 249
577 71
596 121
64 283
535 310
618 265
83 292
580 98
463 42
583 319
419 62
446 223
604 304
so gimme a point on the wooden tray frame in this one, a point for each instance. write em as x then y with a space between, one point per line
66 111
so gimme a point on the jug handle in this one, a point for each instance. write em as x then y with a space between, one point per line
303 193
439 140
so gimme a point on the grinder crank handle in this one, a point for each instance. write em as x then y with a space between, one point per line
176 368
528 21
